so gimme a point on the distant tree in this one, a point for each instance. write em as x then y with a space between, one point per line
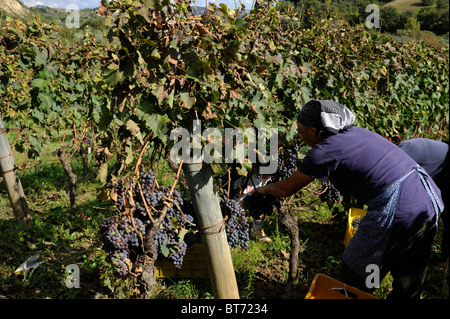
390 19
428 17
413 26
93 23
441 4
442 25
358 12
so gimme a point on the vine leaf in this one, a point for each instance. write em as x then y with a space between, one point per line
41 57
188 100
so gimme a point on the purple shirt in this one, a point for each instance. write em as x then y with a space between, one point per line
363 164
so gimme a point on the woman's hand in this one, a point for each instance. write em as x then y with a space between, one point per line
287 187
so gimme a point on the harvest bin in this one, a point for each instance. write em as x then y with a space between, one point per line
194 265
352 214
325 287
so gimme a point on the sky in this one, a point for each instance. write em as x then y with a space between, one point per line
81 4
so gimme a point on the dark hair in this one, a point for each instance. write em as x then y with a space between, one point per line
309 115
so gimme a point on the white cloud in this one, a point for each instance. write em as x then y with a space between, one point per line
62 4
33 3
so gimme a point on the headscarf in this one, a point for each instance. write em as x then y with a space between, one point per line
326 115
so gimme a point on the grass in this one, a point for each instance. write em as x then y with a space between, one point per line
62 239
408 5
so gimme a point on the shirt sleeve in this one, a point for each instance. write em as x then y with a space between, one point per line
318 164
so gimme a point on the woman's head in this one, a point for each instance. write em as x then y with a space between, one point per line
310 115
309 134
309 123
325 117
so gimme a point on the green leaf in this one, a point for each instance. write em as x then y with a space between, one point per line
41 57
164 250
132 127
40 83
240 24
37 114
112 78
167 249
155 54
188 101
158 124
129 157
181 233
224 8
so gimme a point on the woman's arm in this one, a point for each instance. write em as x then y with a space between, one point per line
287 187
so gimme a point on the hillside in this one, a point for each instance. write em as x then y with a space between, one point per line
87 16
405 5
14 9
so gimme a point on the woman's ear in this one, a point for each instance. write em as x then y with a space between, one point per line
313 131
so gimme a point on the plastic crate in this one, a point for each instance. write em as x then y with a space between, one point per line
325 287
351 230
194 265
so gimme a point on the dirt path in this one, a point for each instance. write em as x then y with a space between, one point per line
395 2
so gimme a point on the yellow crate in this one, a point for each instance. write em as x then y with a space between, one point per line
352 214
194 265
325 287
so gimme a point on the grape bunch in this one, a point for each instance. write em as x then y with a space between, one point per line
120 235
119 190
259 205
237 226
329 193
355 222
287 163
177 257
87 140
118 259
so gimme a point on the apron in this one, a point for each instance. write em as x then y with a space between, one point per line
369 242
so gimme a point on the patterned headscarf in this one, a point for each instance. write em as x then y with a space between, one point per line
326 115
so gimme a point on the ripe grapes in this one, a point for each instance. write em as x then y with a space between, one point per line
355 222
121 235
259 205
287 163
237 226
329 193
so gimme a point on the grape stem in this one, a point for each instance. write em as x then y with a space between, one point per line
129 214
145 203
163 214
229 182
138 163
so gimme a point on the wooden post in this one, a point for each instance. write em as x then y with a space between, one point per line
210 220
12 181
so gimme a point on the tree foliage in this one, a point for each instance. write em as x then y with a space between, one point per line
160 66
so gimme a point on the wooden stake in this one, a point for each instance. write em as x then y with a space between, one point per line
12 180
209 217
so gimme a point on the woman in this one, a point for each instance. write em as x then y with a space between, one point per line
433 156
403 202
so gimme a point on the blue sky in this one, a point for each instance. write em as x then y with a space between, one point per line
62 4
